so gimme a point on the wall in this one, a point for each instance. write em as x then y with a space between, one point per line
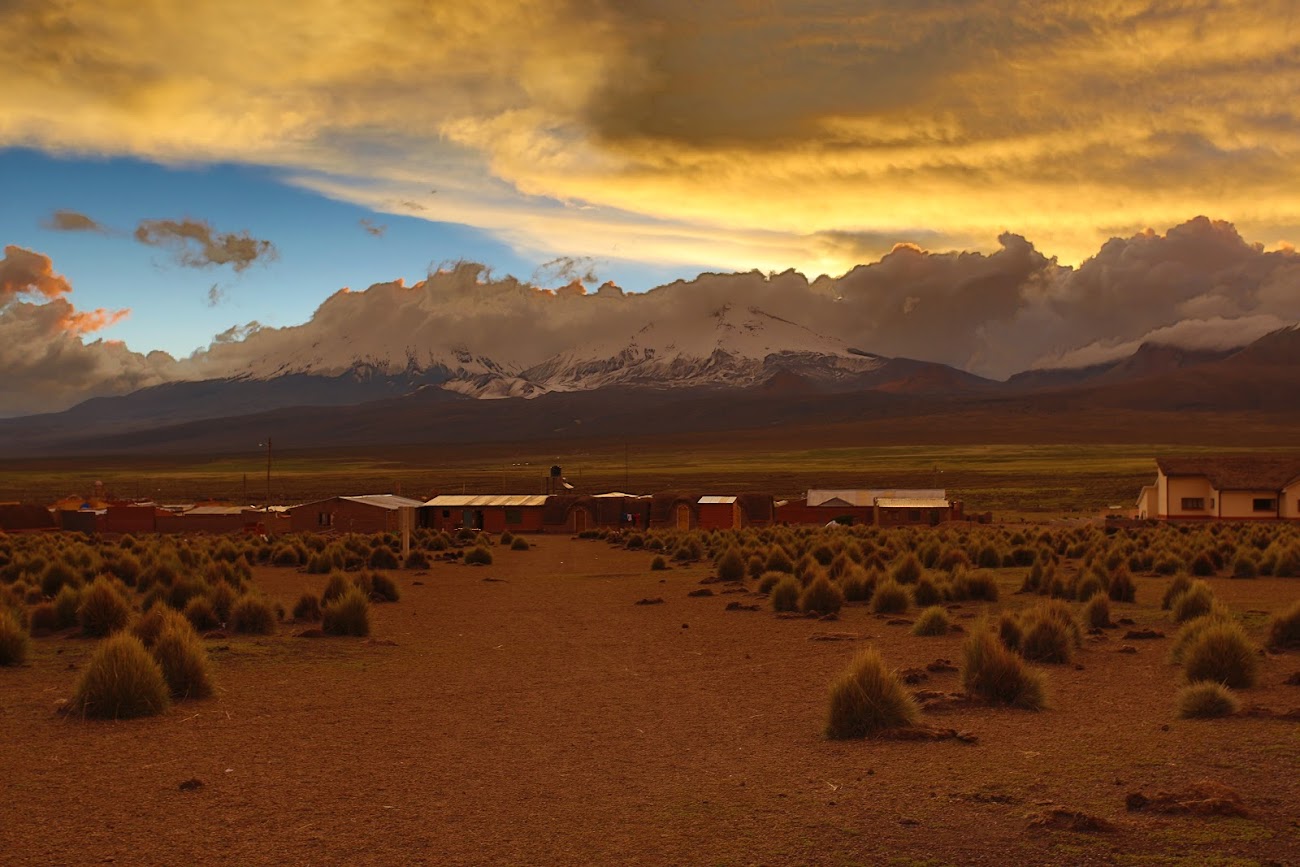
1239 505
347 517
130 519
1291 501
799 512
719 516
201 523
891 517
1178 487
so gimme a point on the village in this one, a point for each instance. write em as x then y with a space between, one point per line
1224 488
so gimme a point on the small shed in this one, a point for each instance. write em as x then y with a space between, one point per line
492 513
203 519
718 513
26 518
369 513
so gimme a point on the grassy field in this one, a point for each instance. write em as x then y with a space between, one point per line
1007 479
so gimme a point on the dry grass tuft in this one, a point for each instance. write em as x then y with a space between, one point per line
1222 653
868 698
349 614
14 642
1284 629
121 681
1206 700
102 611
822 596
992 672
933 621
184 662
252 615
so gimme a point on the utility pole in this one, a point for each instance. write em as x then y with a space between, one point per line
268 474
626 489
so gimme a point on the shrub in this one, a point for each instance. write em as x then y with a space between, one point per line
285 555
907 569
856 585
1221 653
658 564
383 558
349 614
988 558
1196 602
66 605
1284 629
785 595
58 575
44 618
1097 611
121 681
184 662
201 615
478 556
507 537
519 544
933 621
1045 639
992 672
152 623
1121 587
1244 566
868 698
779 561
307 608
14 641
102 611
822 596
336 586
383 587
319 563
1009 630
1192 629
1206 700
1088 587
890 598
925 593
417 559
731 567
968 585
252 615
1176 588
222 597
1203 565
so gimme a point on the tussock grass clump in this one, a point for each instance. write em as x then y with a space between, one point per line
102 611
933 621
868 698
1206 700
768 580
1046 639
926 593
43 618
307 608
478 556
992 672
1222 653
121 681
1284 629
383 558
778 560
336 586
222 597
152 622
890 598
252 615
822 596
1180 585
184 662
14 642
201 615
1087 587
349 614
1192 629
907 569
1009 630
383 588
66 605
58 575
967 585
731 566
857 585
1195 602
1097 611
521 544
1244 566
786 593
417 559
658 564
1121 587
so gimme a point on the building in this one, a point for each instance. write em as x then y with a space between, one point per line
718 513
674 510
202 519
371 513
26 518
493 513
912 511
862 506
1229 488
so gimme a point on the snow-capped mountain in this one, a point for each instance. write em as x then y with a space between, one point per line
734 347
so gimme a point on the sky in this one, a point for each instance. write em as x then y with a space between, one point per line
971 176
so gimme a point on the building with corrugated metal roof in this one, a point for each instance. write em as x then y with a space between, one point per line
369 513
493 513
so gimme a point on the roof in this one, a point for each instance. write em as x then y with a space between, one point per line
911 502
868 496
716 501
1237 472
482 501
620 494
391 502
215 510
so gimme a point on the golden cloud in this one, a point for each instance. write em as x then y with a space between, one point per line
697 132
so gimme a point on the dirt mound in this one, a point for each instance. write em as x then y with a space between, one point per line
913 675
193 784
658 600
704 591
1205 798
926 733
1293 680
1142 634
833 636
1060 818
740 606
940 665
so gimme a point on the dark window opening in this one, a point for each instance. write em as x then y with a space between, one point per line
514 516
1265 504
1193 504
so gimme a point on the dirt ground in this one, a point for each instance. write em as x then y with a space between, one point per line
545 718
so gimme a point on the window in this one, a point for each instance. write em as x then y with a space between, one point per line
514 516
1193 504
324 519
1265 504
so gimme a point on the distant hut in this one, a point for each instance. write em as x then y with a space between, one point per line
370 513
674 510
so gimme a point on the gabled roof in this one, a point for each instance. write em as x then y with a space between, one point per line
480 501
863 497
716 501
1258 472
385 501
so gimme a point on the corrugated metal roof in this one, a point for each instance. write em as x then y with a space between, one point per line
385 501
479 501
868 496
216 510
620 494
911 502
716 501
